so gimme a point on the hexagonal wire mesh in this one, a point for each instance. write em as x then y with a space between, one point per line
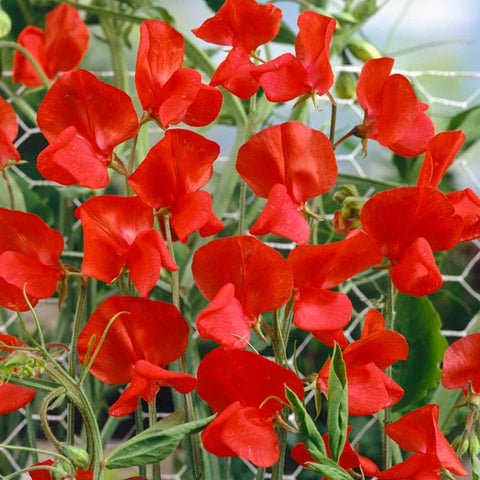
464 274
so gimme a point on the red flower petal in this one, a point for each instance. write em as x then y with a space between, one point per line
281 216
71 159
182 382
250 266
23 72
461 364
101 113
226 376
145 330
290 154
205 108
440 154
8 120
242 23
224 320
66 39
467 206
396 218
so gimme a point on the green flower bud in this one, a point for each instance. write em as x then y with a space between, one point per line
474 447
345 85
78 456
363 50
365 9
5 23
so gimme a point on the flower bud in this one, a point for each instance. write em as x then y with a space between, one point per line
365 9
474 447
78 456
345 85
5 23
363 50
346 190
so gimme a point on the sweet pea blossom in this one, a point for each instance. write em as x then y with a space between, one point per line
244 25
29 259
118 233
230 272
83 120
369 389
308 72
246 390
145 336
59 48
287 164
166 90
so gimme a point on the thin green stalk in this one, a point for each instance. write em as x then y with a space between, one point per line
30 58
389 314
152 417
277 469
47 400
260 473
9 188
142 470
72 359
31 469
175 275
31 432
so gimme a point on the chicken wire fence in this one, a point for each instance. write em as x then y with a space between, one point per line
448 94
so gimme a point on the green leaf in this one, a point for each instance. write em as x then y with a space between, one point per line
285 35
156 443
467 121
215 4
328 468
308 431
418 321
337 415
407 168
475 467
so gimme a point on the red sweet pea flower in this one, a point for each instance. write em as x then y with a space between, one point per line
349 459
145 337
83 119
288 164
230 272
118 233
409 224
171 176
59 48
236 384
8 133
29 259
440 154
309 72
393 115
12 397
418 431
243 25
461 364
319 268
166 90
369 389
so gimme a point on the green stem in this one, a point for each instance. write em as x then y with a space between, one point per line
31 432
56 470
20 103
152 417
9 188
175 275
260 473
44 416
142 471
29 56
277 469
77 324
333 120
389 314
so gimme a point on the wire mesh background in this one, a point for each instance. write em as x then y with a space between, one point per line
464 272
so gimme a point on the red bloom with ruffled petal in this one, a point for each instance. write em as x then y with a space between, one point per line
118 233
369 389
243 25
8 133
440 154
29 259
418 431
171 176
461 364
393 115
409 224
83 119
288 164
166 90
146 336
12 397
319 268
230 272
309 72
59 48
47 474
246 391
